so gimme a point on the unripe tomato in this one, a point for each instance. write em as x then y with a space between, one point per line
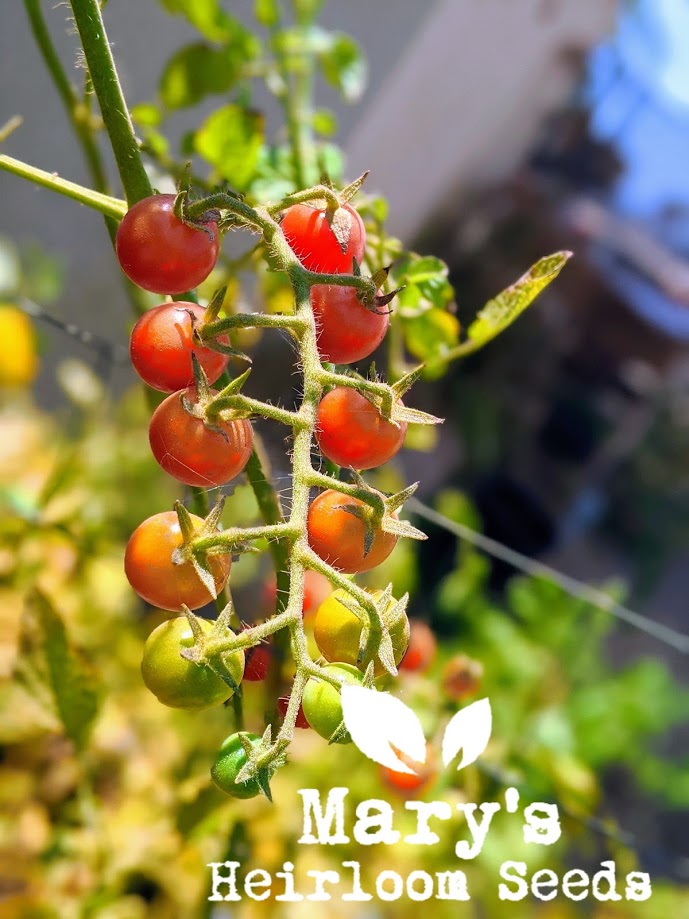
346 331
351 431
229 762
308 232
338 537
193 452
162 343
149 568
338 631
322 703
178 682
462 677
18 354
422 648
159 252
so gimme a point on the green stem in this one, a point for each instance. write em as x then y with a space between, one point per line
106 84
111 207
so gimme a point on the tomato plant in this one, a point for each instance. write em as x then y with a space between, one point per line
178 682
150 569
162 343
194 450
351 431
339 536
346 329
161 253
322 703
327 241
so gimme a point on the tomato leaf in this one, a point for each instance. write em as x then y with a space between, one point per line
343 66
196 71
216 25
231 140
267 12
501 312
431 334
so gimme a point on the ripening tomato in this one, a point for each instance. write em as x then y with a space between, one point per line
322 703
159 252
313 240
193 452
346 330
337 536
338 631
462 677
19 355
351 431
178 682
161 345
229 762
422 648
301 721
150 571
404 783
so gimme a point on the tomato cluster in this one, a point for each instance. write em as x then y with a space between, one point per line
206 447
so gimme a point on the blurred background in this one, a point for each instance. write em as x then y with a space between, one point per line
498 131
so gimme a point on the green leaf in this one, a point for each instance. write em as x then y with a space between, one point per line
208 17
146 114
231 140
53 667
267 12
307 10
431 334
425 282
501 312
196 71
324 122
344 66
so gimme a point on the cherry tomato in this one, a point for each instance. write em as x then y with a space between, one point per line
178 682
322 703
308 231
337 536
193 452
301 721
229 762
19 356
149 568
159 252
338 631
351 431
461 677
258 661
161 346
346 330
405 784
422 648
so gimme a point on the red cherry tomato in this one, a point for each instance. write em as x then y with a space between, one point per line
405 784
257 662
338 536
191 451
301 721
346 330
159 252
422 648
351 431
161 346
309 233
149 568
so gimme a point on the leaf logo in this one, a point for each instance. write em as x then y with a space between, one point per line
381 726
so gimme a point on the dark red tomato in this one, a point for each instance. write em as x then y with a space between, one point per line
159 252
337 536
194 453
161 346
313 241
352 432
149 568
257 662
301 721
422 648
346 330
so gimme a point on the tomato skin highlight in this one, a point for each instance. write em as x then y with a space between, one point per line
312 240
352 432
150 571
346 331
337 632
160 253
161 345
322 703
194 453
337 536
180 683
229 762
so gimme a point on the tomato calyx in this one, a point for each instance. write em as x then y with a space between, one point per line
211 314
210 216
390 613
262 760
199 559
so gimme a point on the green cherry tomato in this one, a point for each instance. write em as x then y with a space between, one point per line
178 682
322 704
229 762
337 631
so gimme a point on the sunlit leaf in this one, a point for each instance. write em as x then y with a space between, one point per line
213 22
267 12
431 334
344 66
196 71
231 140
